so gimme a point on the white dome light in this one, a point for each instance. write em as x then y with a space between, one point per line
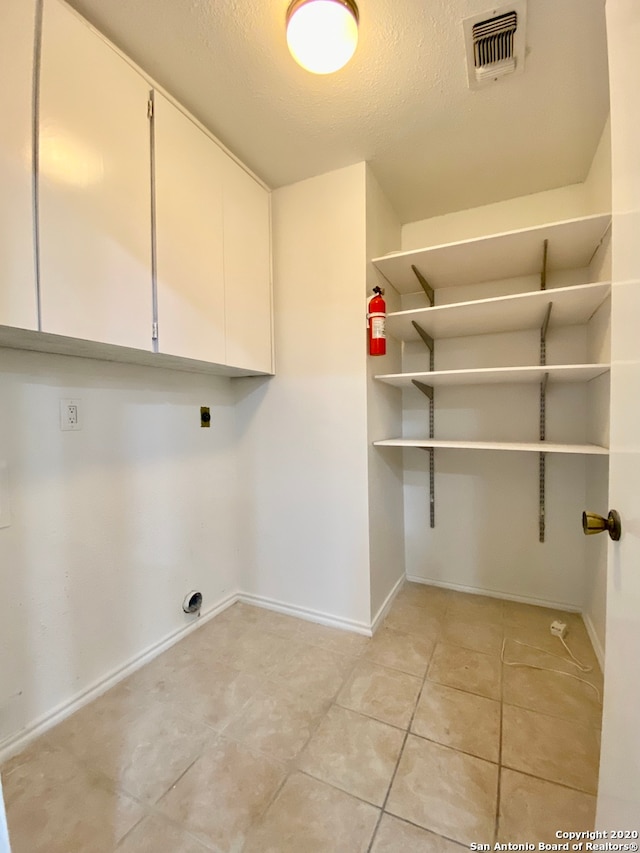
322 34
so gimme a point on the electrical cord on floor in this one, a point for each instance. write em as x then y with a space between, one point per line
574 662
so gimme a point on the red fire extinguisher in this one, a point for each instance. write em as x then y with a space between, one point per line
376 315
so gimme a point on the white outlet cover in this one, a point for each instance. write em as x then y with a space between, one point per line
66 420
5 506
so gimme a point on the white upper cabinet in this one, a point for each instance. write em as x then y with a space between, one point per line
112 186
95 197
18 304
189 237
247 270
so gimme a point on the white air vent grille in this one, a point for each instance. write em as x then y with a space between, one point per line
495 43
493 40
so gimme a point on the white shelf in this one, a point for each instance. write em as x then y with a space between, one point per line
522 446
572 306
572 244
498 375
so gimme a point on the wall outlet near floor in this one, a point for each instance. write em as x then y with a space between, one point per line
70 415
559 629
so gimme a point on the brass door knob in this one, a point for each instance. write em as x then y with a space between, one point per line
594 523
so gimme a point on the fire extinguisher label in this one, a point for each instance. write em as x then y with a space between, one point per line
377 327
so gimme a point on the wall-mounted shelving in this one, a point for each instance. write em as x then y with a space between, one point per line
572 306
498 375
507 255
521 446
568 245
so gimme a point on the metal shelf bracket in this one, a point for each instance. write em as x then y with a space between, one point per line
428 341
427 390
542 459
425 285
543 334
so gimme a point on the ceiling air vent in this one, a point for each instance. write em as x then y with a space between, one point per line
495 43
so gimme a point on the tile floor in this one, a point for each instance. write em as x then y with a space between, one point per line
267 734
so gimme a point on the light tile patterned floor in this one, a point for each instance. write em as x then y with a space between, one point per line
267 734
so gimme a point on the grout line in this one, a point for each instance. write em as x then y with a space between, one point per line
455 749
364 714
567 719
179 778
322 717
428 831
550 781
409 731
205 844
375 831
391 781
129 831
393 668
337 788
291 765
260 817
447 642
461 689
401 752
155 811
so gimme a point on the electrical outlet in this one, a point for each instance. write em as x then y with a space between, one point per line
559 629
205 417
70 415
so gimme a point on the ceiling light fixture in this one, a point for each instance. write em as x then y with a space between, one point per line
322 34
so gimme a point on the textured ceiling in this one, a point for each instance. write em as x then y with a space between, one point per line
402 103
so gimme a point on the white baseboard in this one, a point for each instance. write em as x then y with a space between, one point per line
386 604
595 639
525 599
305 613
21 739
17 742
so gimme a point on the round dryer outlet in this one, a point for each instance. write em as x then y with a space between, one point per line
192 602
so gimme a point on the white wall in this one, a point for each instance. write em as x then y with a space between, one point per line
384 418
592 196
599 191
111 526
486 533
597 490
303 433
598 182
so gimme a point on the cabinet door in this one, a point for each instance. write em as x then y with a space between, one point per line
17 274
247 270
95 196
188 205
